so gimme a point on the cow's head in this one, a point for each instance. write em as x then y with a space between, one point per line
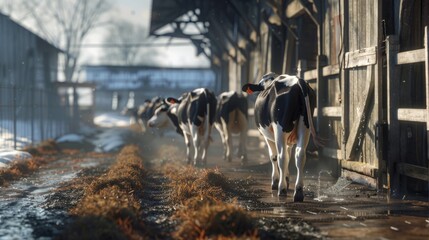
160 117
263 84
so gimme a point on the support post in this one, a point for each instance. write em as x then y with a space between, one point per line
392 49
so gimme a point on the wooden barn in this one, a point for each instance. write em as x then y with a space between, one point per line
367 59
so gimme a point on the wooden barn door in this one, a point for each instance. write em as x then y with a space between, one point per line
361 93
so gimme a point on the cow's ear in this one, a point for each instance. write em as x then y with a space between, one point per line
250 88
171 100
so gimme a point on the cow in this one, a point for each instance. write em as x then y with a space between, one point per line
195 117
132 113
231 118
147 109
165 116
283 115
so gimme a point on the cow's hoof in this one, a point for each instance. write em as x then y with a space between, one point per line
298 196
283 193
275 185
243 160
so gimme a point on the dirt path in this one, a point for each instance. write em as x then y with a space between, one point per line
333 208
36 207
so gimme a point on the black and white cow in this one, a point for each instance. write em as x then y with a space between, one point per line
132 113
231 118
165 117
283 114
147 109
195 116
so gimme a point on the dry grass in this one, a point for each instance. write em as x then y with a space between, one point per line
113 198
42 154
204 211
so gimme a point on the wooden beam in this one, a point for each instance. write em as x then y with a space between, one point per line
412 115
413 56
243 15
361 57
359 178
426 47
392 48
311 74
331 70
331 111
294 9
362 116
344 77
413 171
359 167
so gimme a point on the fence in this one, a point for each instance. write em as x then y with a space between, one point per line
400 167
28 115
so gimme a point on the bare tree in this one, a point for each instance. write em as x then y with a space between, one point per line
124 35
127 41
66 23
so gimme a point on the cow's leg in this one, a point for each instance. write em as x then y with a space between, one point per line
228 140
283 151
188 147
273 157
242 122
196 141
205 145
219 127
303 136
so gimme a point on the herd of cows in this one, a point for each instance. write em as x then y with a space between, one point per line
283 115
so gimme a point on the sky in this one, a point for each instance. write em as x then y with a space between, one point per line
139 11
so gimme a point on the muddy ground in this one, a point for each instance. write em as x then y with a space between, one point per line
37 207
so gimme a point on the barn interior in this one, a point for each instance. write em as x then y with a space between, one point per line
343 49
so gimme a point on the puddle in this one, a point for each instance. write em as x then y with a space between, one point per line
23 214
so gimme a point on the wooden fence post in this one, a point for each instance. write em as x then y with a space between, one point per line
392 49
426 47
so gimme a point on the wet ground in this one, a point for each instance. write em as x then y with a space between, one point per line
334 208
32 208
27 207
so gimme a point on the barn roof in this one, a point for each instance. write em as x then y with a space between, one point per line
225 27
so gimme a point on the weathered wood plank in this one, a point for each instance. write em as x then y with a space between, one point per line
362 116
331 111
361 57
344 78
359 167
293 9
413 56
331 70
412 115
311 74
414 171
359 178
426 47
326 71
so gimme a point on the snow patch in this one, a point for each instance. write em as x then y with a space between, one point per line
7 157
70 138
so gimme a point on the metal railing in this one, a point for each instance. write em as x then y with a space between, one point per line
29 115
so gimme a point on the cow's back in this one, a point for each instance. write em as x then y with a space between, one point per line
229 103
194 105
283 104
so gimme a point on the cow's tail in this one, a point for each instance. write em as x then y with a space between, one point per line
319 142
207 123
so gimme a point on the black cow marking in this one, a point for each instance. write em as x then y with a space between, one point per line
231 118
196 115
